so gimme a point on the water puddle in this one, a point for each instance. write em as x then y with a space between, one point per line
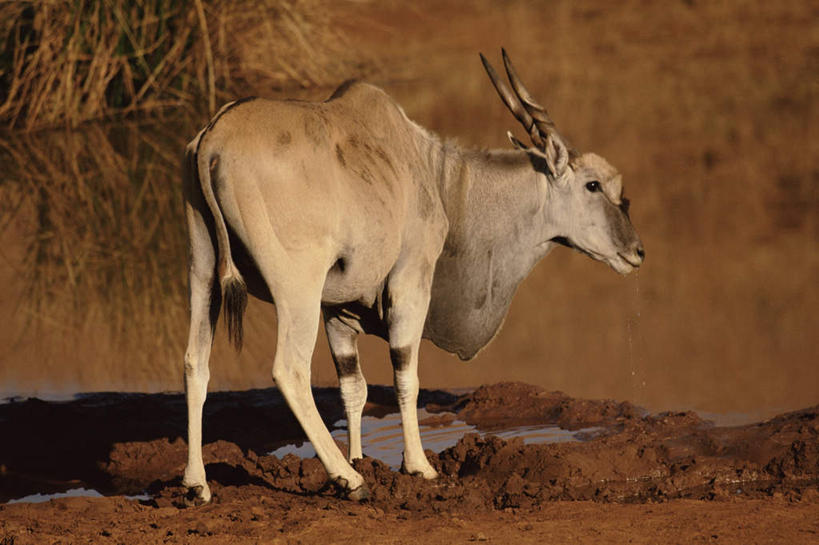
72 493
51 397
382 438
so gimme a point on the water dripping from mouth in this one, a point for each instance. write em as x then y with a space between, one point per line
638 382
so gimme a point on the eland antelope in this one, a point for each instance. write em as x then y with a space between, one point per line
347 210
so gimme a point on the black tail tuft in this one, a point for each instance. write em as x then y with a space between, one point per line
234 295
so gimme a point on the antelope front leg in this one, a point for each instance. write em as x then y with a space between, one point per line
406 324
405 376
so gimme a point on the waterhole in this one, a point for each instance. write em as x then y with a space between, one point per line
382 438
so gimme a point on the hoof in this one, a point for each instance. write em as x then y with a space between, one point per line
429 475
197 495
362 493
426 471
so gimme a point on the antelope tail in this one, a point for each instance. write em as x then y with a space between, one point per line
234 289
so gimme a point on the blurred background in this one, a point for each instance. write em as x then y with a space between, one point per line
709 110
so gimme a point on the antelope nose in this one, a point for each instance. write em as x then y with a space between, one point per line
641 252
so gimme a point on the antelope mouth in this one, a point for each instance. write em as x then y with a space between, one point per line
619 262
634 264
623 265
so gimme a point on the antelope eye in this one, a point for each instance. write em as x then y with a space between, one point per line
593 186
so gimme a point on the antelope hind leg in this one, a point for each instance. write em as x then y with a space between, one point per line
344 349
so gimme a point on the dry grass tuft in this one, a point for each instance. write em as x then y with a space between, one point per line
62 63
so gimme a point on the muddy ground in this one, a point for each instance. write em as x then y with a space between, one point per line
640 478
709 111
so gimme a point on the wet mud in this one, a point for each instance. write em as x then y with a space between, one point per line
133 444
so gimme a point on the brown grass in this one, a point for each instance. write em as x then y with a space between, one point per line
63 63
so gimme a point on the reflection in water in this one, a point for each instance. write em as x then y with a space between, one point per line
382 438
97 218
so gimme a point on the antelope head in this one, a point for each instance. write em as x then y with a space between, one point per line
586 207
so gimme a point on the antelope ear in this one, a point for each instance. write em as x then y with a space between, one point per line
562 162
515 142
556 169
557 155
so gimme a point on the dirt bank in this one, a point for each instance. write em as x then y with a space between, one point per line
635 474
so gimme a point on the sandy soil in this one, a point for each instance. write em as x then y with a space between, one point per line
638 478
